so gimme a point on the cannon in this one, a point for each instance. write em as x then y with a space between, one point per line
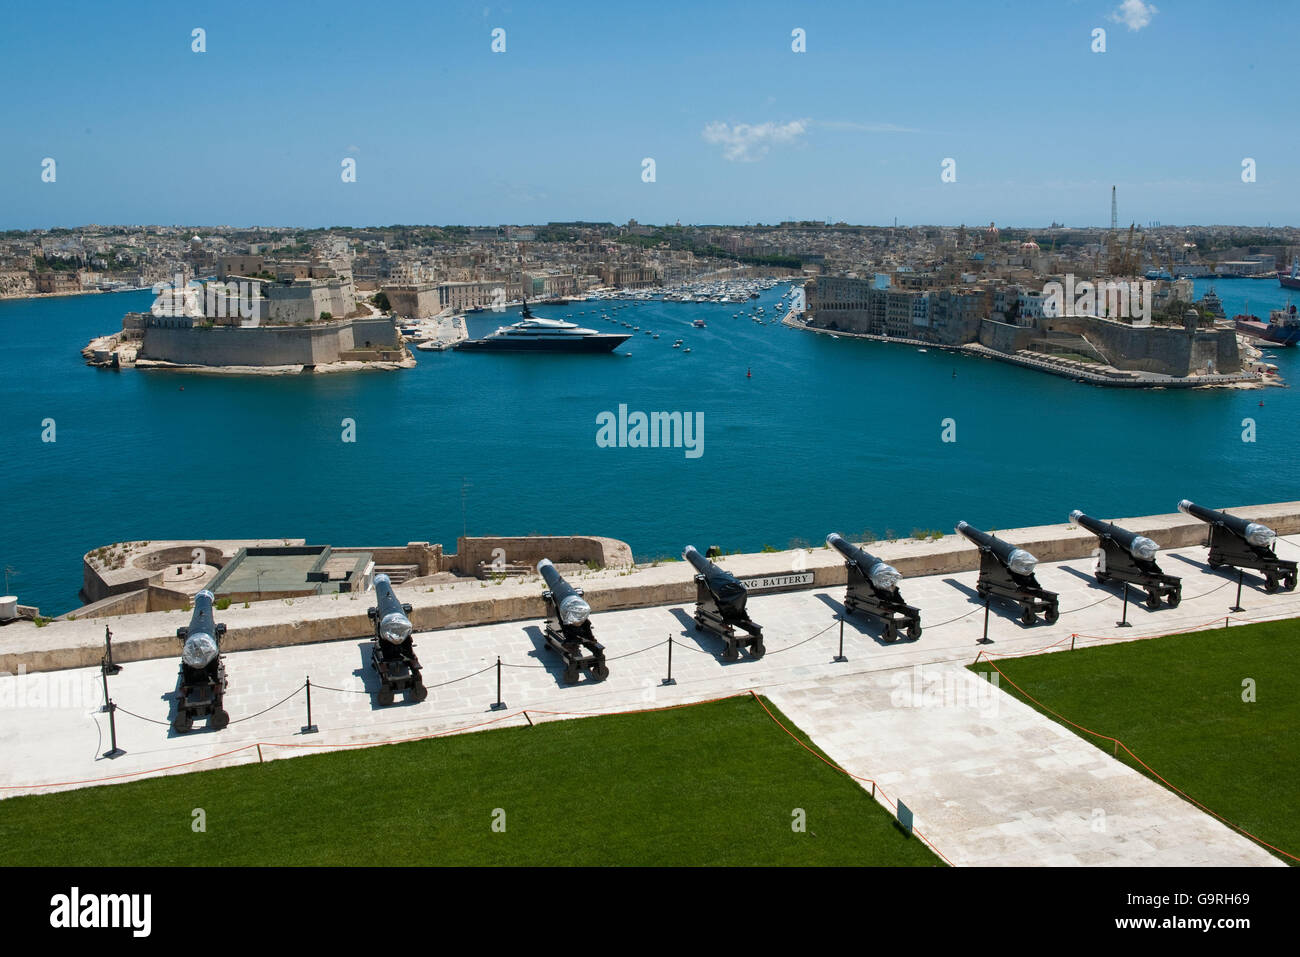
568 627
203 672
392 652
1241 543
873 589
1129 557
1008 572
720 607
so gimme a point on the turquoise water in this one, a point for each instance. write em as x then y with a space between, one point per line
1250 296
827 435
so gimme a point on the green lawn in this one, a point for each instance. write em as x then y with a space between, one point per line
1177 703
711 784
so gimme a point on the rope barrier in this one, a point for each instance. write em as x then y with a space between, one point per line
295 691
1120 744
806 640
958 618
629 654
139 717
441 684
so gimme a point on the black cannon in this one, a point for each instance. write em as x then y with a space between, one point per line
873 589
392 652
1129 557
1008 572
568 627
1241 543
203 673
720 607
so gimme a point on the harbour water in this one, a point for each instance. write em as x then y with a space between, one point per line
826 435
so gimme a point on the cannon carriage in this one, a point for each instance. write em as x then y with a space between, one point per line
1240 543
1007 572
720 608
203 679
392 650
873 590
568 629
1129 558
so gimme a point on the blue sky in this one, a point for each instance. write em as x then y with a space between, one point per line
742 129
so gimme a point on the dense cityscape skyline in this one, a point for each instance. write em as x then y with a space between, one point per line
741 128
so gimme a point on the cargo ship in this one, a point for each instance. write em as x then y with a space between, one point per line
1282 328
1290 280
532 334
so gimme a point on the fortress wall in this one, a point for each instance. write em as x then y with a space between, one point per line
1164 349
576 549
316 344
1003 336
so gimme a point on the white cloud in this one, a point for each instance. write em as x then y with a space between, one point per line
750 142
1134 14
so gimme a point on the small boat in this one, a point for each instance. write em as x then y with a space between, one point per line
687 349
698 324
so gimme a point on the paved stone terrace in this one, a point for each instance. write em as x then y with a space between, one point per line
990 781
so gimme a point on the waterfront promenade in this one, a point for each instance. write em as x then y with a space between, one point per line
990 781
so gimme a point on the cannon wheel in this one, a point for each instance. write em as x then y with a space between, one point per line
1174 596
385 696
889 632
1213 563
1027 615
1153 599
219 719
600 671
982 591
570 675
419 692
1270 584
1288 581
914 631
1051 614
758 649
730 653
183 722
1102 578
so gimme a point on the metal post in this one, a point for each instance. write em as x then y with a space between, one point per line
309 728
107 706
840 656
1240 575
985 640
498 705
1124 623
114 751
109 666
669 680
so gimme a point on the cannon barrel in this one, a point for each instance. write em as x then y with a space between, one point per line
574 609
201 637
1259 535
1016 559
885 577
725 587
394 626
1139 546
